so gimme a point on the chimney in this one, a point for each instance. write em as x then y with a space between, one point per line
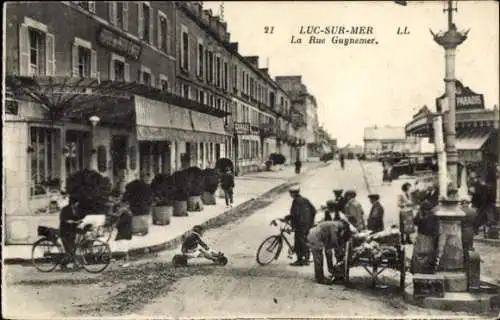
234 46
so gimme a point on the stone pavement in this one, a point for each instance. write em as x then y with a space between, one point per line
248 188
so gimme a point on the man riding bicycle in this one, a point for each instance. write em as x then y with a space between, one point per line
68 224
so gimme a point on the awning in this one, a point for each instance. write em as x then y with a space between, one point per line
161 121
473 139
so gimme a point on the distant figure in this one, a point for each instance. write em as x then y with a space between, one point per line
354 211
298 166
386 172
342 160
405 204
227 185
375 220
340 200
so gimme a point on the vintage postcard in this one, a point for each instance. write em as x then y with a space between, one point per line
250 159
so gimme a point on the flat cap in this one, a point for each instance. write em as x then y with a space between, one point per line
294 188
374 196
338 191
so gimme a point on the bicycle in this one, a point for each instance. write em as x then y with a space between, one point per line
92 254
274 244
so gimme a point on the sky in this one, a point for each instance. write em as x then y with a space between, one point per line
364 85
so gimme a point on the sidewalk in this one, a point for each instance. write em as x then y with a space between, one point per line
388 196
248 188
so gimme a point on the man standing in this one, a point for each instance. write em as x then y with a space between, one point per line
227 185
340 200
354 211
375 220
301 218
342 159
327 235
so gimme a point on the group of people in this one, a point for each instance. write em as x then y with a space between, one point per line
343 216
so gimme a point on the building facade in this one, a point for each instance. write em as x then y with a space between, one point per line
305 107
388 138
99 94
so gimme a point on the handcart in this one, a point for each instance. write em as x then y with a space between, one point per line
376 253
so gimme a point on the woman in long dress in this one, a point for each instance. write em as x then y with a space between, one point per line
424 250
386 173
406 205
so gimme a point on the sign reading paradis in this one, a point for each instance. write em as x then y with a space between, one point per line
465 98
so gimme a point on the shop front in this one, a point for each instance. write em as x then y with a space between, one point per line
54 128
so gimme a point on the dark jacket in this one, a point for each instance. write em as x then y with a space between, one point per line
302 214
226 181
340 204
192 241
124 225
376 218
426 221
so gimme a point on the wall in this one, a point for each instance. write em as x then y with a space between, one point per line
86 29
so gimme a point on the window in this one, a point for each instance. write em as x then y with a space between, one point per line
185 50
119 68
185 91
76 150
210 66
201 96
162 32
217 72
37 52
200 58
251 88
119 13
207 63
163 83
87 5
225 76
45 154
235 76
146 78
83 62
145 22
247 84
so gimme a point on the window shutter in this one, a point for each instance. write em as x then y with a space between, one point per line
167 37
93 64
127 72
140 20
153 83
151 26
158 31
112 12
92 6
24 45
111 69
50 57
125 15
74 60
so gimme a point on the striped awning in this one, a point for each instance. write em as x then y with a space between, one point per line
473 139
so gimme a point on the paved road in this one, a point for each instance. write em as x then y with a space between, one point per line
242 288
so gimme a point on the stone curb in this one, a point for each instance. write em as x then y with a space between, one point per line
242 210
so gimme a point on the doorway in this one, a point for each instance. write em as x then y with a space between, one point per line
119 161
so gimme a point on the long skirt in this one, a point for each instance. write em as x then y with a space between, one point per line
406 225
424 255
386 176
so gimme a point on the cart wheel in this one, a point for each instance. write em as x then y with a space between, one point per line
402 269
346 261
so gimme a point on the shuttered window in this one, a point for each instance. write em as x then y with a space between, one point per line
119 70
185 49
84 59
162 32
44 157
36 50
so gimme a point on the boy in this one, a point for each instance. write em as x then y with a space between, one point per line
193 246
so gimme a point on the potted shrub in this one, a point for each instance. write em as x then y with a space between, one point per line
139 197
162 190
180 193
194 179
210 185
91 190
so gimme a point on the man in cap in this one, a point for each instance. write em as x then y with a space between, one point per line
339 199
354 211
301 218
375 220
327 236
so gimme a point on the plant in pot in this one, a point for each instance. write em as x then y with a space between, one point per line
210 185
91 190
194 181
162 190
180 193
140 199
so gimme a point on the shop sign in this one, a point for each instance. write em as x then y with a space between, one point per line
116 42
242 127
465 99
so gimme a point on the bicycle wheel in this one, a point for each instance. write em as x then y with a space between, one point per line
269 250
95 255
46 255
